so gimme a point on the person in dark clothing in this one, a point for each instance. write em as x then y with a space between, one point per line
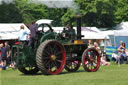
7 46
33 32
4 54
1 45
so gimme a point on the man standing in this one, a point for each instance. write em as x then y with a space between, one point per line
0 53
33 32
8 51
3 54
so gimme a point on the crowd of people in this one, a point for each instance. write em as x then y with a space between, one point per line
5 55
121 54
102 54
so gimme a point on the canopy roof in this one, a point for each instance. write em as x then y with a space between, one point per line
122 25
44 21
93 33
10 31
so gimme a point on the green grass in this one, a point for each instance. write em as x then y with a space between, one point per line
106 75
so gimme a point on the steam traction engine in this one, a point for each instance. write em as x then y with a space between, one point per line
53 52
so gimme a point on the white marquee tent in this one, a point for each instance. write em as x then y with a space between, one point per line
123 25
10 31
117 35
93 33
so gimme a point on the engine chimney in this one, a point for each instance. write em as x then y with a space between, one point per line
78 20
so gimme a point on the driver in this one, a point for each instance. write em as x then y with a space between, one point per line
68 32
33 32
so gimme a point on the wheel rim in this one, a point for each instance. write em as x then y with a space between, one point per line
91 60
54 57
29 68
72 66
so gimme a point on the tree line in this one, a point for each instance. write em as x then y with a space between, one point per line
99 13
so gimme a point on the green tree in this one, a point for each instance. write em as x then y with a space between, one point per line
31 12
56 14
121 13
9 13
99 13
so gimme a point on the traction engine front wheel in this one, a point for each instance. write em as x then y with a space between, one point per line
91 60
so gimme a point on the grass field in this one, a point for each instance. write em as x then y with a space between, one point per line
106 75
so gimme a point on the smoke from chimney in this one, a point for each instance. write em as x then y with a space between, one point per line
6 1
56 3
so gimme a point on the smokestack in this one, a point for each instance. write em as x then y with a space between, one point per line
78 21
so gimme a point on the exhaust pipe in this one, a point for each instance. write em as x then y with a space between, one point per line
78 21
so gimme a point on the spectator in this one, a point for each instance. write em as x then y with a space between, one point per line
127 55
8 52
115 57
3 54
90 44
1 63
121 42
122 53
0 52
103 60
97 47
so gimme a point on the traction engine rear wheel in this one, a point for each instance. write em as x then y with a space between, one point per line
91 60
72 65
15 60
51 57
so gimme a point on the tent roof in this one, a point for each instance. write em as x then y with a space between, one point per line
121 33
93 33
109 32
8 36
44 21
90 29
122 25
10 31
12 27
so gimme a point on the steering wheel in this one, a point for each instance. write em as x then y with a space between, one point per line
45 28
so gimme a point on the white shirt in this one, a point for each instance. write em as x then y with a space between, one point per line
22 35
114 55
